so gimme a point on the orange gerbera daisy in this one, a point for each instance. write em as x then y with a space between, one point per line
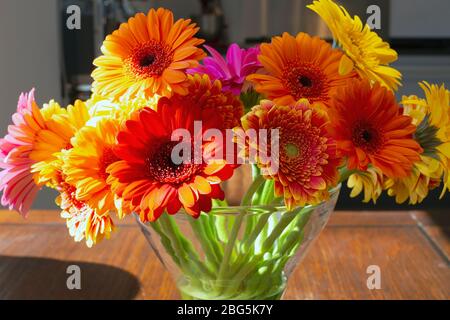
85 165
211 99
369 128
299 67
83 221
149 180
307 160
147 56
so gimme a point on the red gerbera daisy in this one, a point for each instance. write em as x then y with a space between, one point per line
369 128
147 178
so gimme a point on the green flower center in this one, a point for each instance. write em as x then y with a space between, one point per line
292 151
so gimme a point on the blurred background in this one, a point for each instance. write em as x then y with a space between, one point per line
38 50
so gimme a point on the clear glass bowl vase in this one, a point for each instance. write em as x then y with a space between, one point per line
237 253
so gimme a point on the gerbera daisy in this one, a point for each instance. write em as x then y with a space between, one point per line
416 185
432 117
147 56
299 67
85 165
231 72
83 221
370 129
60 126
370 182
307 160
148 179
211 99
16 180
105 108
426 133
365 50
437 103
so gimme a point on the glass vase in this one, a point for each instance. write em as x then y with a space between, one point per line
237 252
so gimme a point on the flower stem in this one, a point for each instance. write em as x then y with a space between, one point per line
256 173
267 194
212 256
182 247
257 182
246 200
283 223
219 203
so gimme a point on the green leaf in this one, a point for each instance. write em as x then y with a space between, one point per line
426 136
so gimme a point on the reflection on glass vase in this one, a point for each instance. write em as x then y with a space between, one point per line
245 252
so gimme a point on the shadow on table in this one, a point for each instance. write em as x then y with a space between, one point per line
41 278
442 220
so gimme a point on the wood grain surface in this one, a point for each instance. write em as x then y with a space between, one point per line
411 249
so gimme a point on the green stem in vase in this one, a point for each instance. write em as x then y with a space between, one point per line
251 238
183 248
246 200
219 203
294 240
212 256
256 194
256 200
300 222
250 263
254 229
285 220
267 194
213 235
165 241
257 183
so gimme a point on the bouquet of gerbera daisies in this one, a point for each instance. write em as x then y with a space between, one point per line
166 125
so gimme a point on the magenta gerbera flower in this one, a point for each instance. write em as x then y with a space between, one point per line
16 180
233 70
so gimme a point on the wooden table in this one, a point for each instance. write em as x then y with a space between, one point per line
411 248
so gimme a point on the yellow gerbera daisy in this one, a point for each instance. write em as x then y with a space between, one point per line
369 181
104 108
438 102
433 132
424 177
62 124
431 117
148 55
365 50
85 165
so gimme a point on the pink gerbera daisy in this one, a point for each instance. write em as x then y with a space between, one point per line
231 72
16 180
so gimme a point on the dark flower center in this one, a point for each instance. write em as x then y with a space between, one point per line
367 137
147 61
305 81
160 166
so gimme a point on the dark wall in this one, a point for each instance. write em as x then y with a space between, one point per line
385 202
